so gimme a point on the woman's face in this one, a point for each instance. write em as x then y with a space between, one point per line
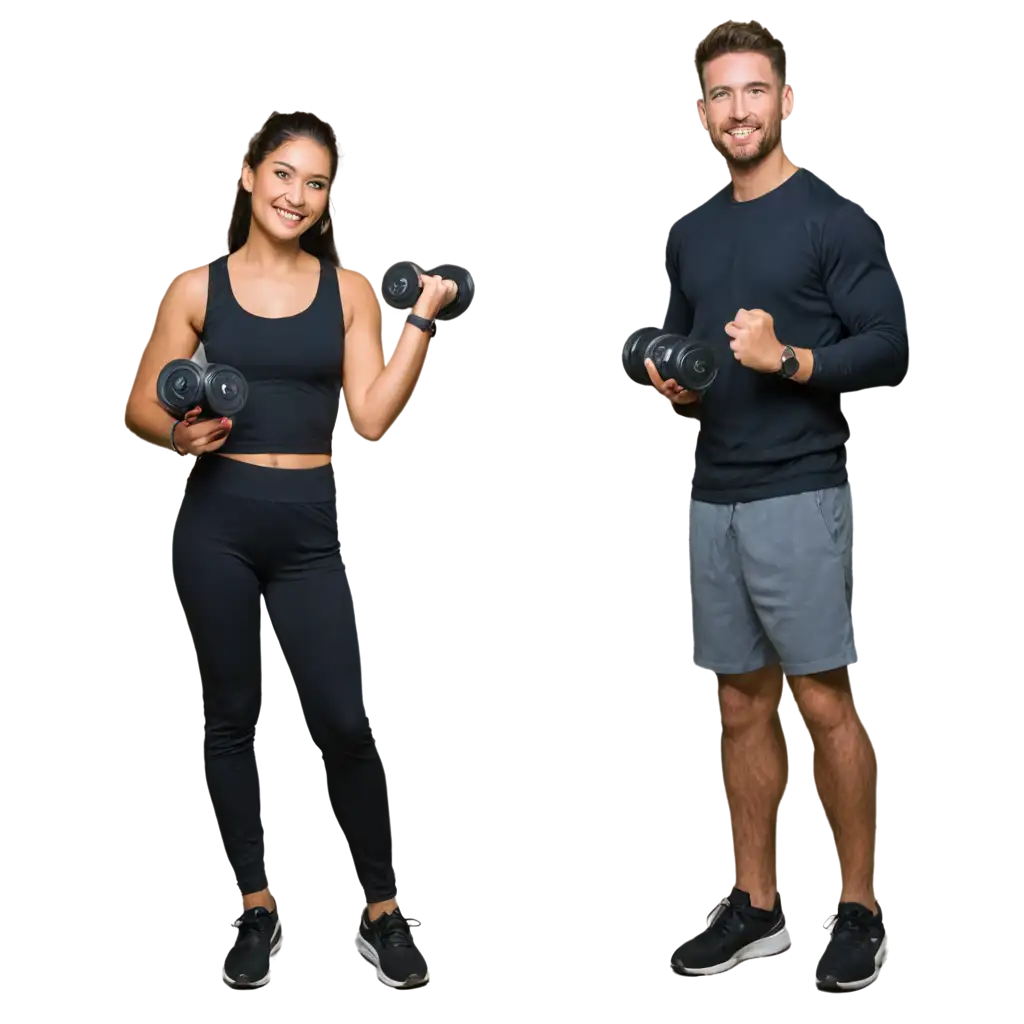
289 188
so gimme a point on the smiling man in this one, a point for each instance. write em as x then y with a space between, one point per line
791 284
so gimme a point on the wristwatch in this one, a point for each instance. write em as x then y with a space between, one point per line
790 363
421 322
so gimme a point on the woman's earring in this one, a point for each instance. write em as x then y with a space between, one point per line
324 225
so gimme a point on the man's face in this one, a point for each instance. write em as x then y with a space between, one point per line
743 107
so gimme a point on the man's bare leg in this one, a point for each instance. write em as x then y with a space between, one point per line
845 775
755 769
845 772
751 774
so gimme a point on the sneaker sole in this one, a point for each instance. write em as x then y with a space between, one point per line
830 985
275 945
368 953
770 945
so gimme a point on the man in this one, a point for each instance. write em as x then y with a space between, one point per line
791 284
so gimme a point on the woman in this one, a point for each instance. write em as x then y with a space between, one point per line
259 516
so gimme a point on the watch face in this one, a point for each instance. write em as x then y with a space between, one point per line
790 364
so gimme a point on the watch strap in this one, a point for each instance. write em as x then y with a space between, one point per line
429 326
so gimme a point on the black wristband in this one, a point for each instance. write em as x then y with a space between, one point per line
422 323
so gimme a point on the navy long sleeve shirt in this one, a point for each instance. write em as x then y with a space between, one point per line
817 263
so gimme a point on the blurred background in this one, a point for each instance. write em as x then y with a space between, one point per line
519 539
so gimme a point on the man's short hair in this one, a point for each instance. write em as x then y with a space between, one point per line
744 37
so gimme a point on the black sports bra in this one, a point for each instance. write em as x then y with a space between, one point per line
292 365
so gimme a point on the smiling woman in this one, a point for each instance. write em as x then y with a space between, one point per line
296 191
259 513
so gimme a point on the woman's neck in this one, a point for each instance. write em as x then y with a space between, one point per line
269 254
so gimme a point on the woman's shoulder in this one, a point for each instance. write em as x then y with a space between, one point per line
355 287
195 279
189 290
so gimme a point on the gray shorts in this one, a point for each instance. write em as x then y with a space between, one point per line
772 583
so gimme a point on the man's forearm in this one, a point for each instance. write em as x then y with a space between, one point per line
854 364
805 357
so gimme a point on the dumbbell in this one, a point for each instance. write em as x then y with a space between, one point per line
218 389
691 364
401 287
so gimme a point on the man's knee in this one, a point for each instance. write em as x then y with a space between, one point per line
824 700
749 699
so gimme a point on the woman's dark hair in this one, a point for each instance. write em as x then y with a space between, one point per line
279 129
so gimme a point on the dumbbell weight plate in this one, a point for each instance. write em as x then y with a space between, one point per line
696 368
401 286
466 289
690 364
179 387
226 390
634 352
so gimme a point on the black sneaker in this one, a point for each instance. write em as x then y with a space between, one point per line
736 931
388 945
259 938
856 951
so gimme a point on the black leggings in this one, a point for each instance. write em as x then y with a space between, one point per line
243 531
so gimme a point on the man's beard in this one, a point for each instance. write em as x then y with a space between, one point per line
771 137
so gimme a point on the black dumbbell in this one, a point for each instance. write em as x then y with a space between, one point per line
217 389
691 364
401 287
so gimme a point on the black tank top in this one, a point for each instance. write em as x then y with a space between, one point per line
292 365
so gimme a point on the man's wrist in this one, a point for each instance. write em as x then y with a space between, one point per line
805 357
805 362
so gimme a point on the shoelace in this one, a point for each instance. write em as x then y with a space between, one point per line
394 931
250 924
851 927
724 917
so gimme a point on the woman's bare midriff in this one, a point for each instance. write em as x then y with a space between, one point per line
273 460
